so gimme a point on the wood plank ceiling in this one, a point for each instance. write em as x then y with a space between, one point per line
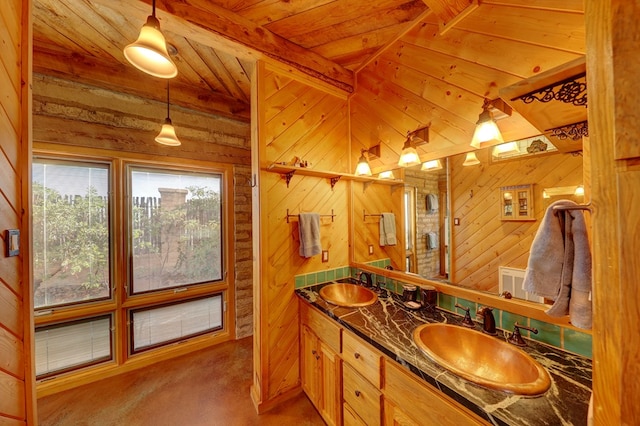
428 61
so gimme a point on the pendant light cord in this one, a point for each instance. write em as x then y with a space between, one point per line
153 8
167 98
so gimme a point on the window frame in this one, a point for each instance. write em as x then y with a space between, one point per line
120 302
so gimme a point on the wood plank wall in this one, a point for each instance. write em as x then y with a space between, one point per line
293 119
16 376
482 242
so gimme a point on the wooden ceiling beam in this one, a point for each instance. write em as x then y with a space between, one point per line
126 79
211 25
450 12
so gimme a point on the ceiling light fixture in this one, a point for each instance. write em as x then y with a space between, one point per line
167 135
363 168
409 156
487 130
471 159
431 165
149 52
579 191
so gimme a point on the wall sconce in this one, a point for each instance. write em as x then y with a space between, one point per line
505 149
471 159
387 174
149 52
409 156
431 165
363 168
487 130
579 191
167 135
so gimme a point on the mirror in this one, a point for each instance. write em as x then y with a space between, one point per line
473 241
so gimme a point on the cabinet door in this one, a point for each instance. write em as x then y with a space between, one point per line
331 385
310 366
394 416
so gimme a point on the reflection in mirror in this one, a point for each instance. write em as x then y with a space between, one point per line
472 242
426 222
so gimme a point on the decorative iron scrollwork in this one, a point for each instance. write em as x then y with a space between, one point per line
573 131
570 91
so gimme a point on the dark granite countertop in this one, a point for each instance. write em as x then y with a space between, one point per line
388 326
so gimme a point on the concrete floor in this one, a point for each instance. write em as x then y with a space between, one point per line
208 387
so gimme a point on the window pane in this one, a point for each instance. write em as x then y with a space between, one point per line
153 327
72 345
70 232
176 229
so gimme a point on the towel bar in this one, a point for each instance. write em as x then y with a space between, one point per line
574 207
364 213
332 215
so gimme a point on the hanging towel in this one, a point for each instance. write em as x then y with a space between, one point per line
388 229
309 228
432 240
432 203
559 266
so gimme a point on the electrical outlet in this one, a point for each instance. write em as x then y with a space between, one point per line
325 256
370 248
456 221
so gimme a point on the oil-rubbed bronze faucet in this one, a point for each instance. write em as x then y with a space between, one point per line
488 321
467 321
516 337
364 278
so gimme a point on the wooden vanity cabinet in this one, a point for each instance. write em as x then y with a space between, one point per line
408 401
351 383
321 369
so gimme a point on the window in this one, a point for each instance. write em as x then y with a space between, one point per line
160 325
129 257
176 229
70 232
71 345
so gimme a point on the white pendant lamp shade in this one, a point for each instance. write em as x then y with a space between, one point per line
149 52
363 168
431 165
486 130
167 135
471 159
506 149
387 174
409 156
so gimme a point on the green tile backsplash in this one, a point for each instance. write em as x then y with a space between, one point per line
550 334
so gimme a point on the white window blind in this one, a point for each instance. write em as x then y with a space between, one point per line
66 346
153 327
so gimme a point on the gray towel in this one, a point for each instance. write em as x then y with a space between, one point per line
559 266
309 229
432 240
388 229
432 203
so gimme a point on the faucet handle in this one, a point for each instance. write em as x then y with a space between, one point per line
467 321
516 337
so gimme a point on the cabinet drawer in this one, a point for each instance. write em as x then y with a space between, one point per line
362 396
422 401
362 357
326 329
351 418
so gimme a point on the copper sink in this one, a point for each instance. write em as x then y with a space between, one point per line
350 295
482 359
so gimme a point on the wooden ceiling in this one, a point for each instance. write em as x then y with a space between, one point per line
415 62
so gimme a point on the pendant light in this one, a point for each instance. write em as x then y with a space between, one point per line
506 149
486 128
409 156
471 159
149 52
387 174
167 135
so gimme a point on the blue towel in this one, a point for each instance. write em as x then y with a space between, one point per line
309 229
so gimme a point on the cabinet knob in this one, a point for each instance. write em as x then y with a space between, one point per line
314 352
357 392
317 356
356 355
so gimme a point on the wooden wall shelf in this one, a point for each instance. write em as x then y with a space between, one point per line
334 177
